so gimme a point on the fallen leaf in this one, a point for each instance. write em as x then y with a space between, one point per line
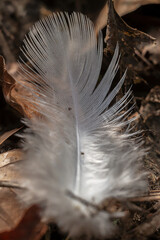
126 6
15 90
11 210
16 222
10 157
122 7
8 134
101 20
29 228
128 39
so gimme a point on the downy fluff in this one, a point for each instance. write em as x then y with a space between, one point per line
76 153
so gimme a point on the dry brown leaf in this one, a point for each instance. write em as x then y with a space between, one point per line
15 222
8 134
126 6
15 92
11 210
9 171
128 39
122 7
29 228
101 20
10 157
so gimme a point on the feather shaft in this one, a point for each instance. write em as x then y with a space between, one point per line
77 149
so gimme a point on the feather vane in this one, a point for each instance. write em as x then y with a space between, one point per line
76 156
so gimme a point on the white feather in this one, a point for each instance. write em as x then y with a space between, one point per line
76 155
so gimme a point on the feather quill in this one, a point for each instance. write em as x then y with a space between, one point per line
76 155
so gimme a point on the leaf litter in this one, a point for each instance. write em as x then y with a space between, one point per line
135 45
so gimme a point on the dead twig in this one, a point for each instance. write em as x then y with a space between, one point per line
153 196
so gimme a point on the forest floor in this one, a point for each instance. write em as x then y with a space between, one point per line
140 55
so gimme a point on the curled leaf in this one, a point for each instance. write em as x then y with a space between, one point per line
122 7
13 90
8 134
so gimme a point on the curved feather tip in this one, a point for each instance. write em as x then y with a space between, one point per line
76 153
